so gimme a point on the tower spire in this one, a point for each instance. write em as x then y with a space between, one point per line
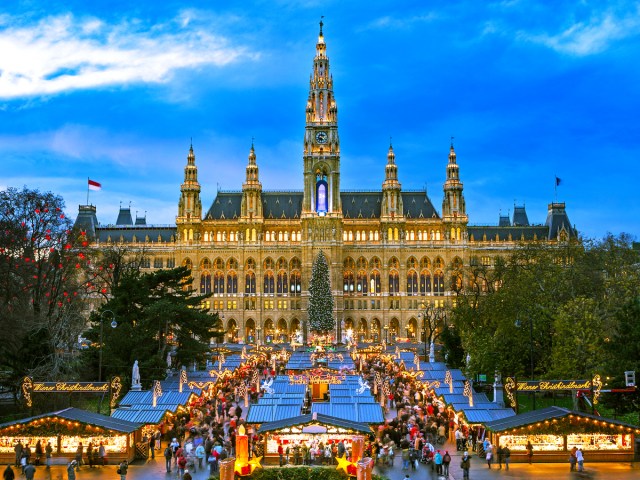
391 196
189 205
251 206
453 203
321 142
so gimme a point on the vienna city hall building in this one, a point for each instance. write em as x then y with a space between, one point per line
390 251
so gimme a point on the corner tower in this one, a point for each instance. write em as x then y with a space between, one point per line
454 211
189 205
321 142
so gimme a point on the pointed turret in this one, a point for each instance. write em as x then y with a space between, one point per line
189 205
391 197
321 142
454 211
251 208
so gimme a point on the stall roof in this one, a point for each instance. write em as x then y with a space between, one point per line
483 415
548 413
145 398
309 419
359 412
271 413
82 416
147 416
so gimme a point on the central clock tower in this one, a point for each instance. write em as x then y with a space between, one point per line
321 142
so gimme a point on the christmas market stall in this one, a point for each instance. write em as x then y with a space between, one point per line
554 432
66 429
310 429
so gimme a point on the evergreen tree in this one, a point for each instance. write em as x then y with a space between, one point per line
320 310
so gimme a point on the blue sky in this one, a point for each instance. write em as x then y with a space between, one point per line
530 90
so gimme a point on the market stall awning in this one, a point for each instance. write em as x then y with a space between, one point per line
549 414
146 416
358 412
304 421
80 416
144 398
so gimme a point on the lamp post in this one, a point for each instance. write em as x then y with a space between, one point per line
114 324
386 334
258 336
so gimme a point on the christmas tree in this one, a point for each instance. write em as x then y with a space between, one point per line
320 299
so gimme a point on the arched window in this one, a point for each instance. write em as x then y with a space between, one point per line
412 283
438 284
218 283
232 283
282 284
322 194
394 283
348 283
361 283
412 263
250 283
425 282
205 282
374 283
269 284
296 284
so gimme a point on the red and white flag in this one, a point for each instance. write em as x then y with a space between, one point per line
93 185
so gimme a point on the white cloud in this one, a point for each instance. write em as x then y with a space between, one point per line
64 53
587 38
400 22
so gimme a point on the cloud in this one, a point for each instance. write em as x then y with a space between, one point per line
400 22
65 53
591 37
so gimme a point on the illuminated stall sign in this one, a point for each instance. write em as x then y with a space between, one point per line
513 386
29 387
318 375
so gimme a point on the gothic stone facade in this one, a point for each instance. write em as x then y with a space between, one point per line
390 252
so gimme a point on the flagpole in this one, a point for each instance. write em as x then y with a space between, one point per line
555 188
87 190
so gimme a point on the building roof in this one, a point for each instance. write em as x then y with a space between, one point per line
288 205
481 233
520 218
359 412
145 398
320 419
82 416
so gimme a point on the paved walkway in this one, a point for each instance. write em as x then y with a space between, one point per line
155 470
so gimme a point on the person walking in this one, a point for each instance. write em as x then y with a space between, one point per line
507 457
90 454
437 460
29 471
79 452
465 464
39 452
200 454
71 470
446 460
48 453
580 460
187 475
8 473
18 451
168 455
122 470
102 453
152 444
529 452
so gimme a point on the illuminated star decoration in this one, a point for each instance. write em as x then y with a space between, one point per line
255 463
345 464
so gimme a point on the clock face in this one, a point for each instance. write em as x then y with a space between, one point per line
322 137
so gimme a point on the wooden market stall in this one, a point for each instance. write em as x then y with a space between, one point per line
65 429
308 429
554 431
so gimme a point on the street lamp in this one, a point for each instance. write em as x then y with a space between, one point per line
258 336
386 334
114 324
